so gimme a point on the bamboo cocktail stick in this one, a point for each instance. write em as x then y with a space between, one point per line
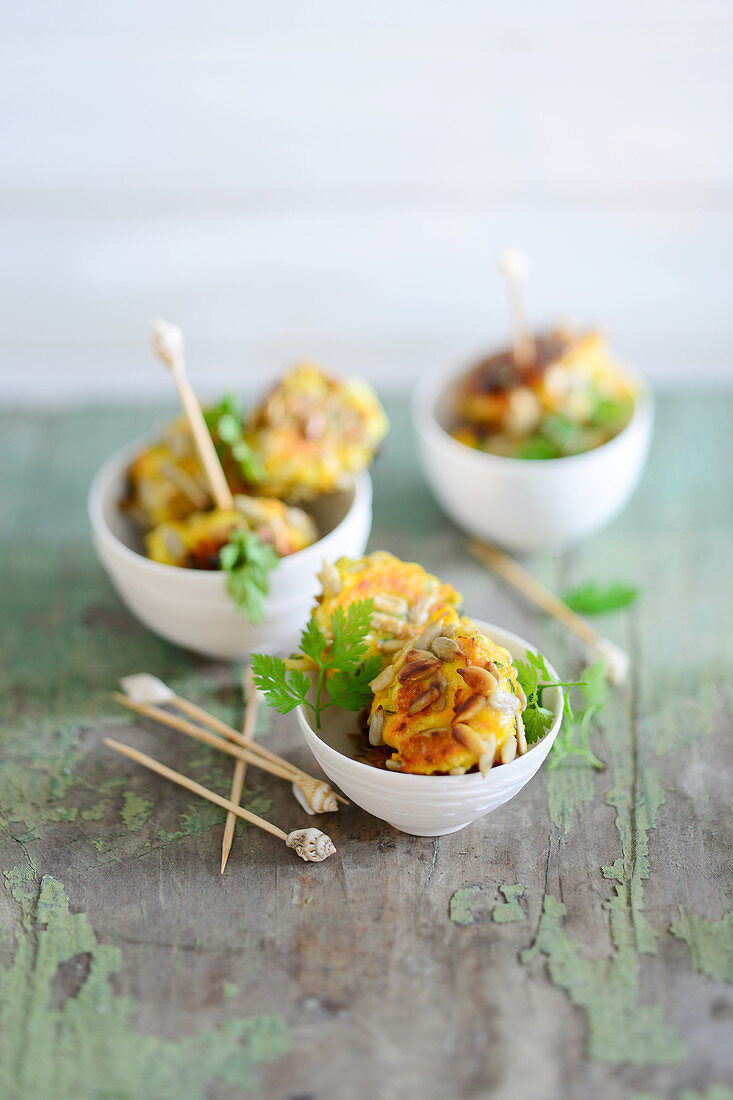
200 734
145 688
168 343
513 266
310 844
251 703
615 659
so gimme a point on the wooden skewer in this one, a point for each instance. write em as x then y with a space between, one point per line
251 704
200 715
615 659
192 785
199 734
168 343
311 845
513 266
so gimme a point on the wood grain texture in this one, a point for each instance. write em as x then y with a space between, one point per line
540 953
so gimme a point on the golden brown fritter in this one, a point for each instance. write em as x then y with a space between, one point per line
451 703
574 398
195 541
313 431
406 598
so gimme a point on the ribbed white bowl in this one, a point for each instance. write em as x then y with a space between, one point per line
191 607
427 805
526 504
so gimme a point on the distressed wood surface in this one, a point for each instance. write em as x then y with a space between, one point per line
576 942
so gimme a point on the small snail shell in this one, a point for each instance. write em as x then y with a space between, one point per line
311 844
315 796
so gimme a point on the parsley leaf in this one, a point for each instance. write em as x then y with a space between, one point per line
283 687
351 690
225 421
593 599
342 669
248 562
534 678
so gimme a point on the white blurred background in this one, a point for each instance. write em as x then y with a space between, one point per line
334 179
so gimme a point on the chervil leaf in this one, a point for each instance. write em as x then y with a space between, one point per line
592 598
536 720
225 421
594 686
341 671
248 562
284 688
527 677
313 641
350 689
349 630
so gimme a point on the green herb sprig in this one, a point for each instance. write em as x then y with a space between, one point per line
342 669
534 678
593 598
225 421
248 562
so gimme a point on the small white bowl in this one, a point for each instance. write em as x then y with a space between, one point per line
427 805
527 504
192 607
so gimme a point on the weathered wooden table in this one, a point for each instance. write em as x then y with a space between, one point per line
573 944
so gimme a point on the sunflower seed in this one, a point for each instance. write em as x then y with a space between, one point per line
424 700
521 696
449 630
521 736
441 683
435 732
504 702
390 645
330 579
467 737
411 670
445 648
480 679
428 636
486 759
420 610
389 624
469 707
419 654
392 605
383 680
457 771
393 765
375 727
509 750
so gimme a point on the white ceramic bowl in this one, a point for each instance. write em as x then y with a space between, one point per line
527 504
427 805
192 607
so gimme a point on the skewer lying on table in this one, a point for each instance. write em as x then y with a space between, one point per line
144 690
615 659
311 844
251 698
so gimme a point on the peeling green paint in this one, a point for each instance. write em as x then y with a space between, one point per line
135 810
710 944
512 910
460 904
568 787
619 1028
715 1092
65 1049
